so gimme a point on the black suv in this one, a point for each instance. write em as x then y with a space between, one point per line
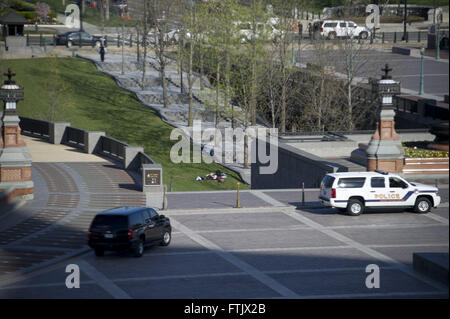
74 37
126 228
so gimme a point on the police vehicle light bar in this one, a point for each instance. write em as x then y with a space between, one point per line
382 172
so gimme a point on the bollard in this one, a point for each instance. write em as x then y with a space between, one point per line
303 194
79 40
40 39
382 38
419 37
28 39
407 36
131 40
164 198
395 37
54 40
436 182
118 41
171 184
238 200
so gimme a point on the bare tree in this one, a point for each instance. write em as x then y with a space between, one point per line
160 13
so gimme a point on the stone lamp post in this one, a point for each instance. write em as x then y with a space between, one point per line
385 151
15 159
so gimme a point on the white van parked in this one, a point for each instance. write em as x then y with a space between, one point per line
352 192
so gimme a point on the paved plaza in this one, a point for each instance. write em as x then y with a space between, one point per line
273 247
406 69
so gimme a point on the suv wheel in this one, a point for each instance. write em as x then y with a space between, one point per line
422 206
139 249
363 35
166 239
331 35
99 252
355 207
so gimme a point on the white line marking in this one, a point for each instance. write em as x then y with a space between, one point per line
268 199
369 251
107 284
252 271
437 218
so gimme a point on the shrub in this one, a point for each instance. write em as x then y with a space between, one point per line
30 16
19 5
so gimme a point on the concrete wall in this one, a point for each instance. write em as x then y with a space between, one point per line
294 167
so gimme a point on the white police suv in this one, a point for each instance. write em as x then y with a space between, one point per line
352 192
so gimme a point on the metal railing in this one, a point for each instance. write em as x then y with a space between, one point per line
34 127
75 137
112 148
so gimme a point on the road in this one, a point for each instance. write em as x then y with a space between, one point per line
406 69
275 251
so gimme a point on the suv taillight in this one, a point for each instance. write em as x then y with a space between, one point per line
333 193
130 234
89 233
321 29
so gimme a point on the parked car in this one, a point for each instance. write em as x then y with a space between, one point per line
352 192
128 228
73 38
267 30
332 29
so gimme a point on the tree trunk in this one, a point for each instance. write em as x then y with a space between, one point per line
350 108
283 108
107 10
217 93
191 53
83 6
163 78
228 86
254 85
144 64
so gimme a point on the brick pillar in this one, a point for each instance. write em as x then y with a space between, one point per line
385 151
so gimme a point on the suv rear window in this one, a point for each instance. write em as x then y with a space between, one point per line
328 181
113 221
351 182
136 219
330 25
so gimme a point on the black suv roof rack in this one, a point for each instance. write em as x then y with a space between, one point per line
381 172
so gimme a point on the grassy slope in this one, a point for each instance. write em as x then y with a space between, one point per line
92 101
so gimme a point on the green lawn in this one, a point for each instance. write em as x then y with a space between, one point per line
91 100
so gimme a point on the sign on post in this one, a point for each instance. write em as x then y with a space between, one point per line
152 180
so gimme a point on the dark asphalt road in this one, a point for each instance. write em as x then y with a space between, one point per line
368 63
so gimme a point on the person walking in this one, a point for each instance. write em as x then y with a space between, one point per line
300 30
102 51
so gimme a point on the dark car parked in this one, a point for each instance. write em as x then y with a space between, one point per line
128 228
74 37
